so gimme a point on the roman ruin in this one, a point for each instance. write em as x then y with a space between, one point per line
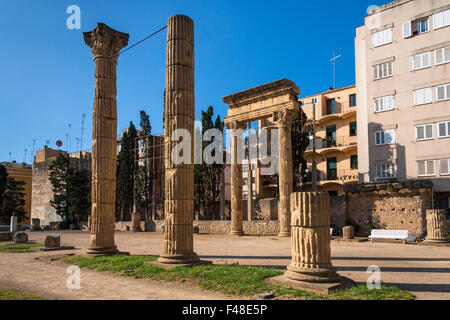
106 44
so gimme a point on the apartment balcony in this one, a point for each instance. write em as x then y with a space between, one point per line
340 176
329 145
341 111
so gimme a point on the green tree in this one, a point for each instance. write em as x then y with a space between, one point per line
126 170
71 190
300 141
144 172
12 197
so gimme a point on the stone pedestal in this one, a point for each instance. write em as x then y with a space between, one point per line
283 120
20 237
52 241
135 221
311 267
436 226
35 224
13 225
348 233
237 214
179 114
106 44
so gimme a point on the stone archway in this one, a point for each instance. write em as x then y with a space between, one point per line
275 100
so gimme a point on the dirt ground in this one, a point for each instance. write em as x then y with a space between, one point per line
423 270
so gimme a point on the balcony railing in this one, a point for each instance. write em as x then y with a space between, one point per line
334 175
329 142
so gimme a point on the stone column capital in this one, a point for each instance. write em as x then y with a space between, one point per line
236 125
105 41
283 118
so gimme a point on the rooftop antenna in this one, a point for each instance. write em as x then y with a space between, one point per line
82 129
333 60
78 143
25 156
10 157
47 142
32 151
67 141
70 138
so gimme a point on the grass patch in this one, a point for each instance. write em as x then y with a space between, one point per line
230 280
27 247
14 294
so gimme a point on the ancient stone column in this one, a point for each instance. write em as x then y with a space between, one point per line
283 120
436 226
179 114
310 240
237 182
249 190
13 224
106 44
135 220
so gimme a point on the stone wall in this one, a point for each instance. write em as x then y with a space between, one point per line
393 206
338 210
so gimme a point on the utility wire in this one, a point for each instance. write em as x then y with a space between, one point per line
134 45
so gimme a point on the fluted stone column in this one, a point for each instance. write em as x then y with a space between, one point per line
237 181
179 114
283 120
106 44
310 240
436 226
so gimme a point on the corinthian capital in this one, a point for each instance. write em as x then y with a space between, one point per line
235 125
105 41
283 118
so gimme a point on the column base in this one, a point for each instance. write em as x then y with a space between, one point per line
284 234
436 240
177 260
105 251
319 275
236 233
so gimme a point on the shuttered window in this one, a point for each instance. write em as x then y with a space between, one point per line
425 168
441 19
424 132
383 70
381 37
444 129
442 56
423 96
443 92
385 171
385 137
421 61
384 103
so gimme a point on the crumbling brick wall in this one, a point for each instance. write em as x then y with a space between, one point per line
392 206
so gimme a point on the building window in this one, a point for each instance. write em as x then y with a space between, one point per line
331 106
384 103
354 162
425 132
384 137
385 171
426 168
353 129
442 56
423 96
443 92
332 169
421 61
441 19
445 167
444 129
381 37
383 70
413 28
353 100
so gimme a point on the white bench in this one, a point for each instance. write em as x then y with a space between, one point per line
389 234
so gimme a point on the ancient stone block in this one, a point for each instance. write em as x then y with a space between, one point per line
348 232
52 241
35 224
20 237
436 226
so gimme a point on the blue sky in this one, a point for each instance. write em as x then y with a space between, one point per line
47 72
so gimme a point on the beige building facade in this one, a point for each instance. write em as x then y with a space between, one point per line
403 94
336 139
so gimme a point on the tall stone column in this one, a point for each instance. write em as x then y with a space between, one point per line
436 226
249 190
179 114
283 120
106 44
237 182
310 240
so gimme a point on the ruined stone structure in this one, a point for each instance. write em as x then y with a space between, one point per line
179 114
348 232
436 226
42 193
275 101
106 44
394 206
310 241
